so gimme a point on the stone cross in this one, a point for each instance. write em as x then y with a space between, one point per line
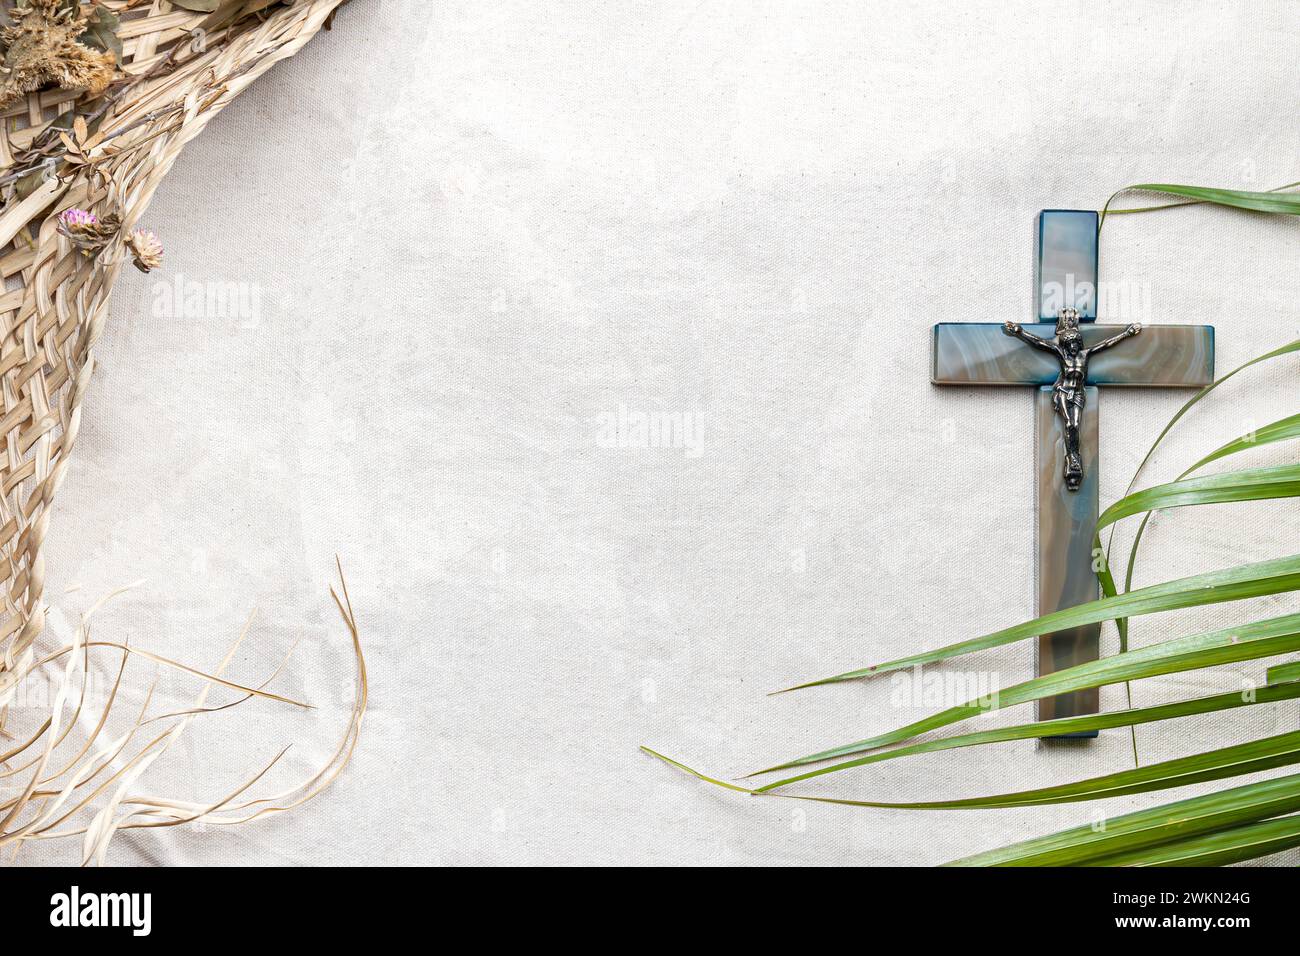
975 353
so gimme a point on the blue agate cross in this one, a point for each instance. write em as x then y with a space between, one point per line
977 353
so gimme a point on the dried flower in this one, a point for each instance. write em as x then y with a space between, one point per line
146 249
76 218
42 46
87 231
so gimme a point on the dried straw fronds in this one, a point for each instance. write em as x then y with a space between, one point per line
99 99
92 793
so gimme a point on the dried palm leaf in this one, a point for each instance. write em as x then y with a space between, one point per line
98 101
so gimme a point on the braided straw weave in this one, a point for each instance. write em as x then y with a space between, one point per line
105 153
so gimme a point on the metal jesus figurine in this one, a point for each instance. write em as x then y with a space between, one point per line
1069 393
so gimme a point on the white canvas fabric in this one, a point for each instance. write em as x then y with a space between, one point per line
451 257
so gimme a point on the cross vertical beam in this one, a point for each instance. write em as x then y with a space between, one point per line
971 353
1066 520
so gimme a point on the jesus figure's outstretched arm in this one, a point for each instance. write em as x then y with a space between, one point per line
1015 330
1131 331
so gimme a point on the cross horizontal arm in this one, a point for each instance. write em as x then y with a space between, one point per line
980 353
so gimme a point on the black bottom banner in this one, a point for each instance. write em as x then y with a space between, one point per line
303 906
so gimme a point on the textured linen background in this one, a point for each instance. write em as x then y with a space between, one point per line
473 232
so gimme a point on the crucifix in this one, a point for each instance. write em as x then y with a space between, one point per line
1065 355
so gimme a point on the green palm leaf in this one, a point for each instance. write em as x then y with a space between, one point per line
1254 484
1235 761
1215 849
1283 673
1283 430
1284 684
1209 813
1279 635
1249 757
1213 587
1274 201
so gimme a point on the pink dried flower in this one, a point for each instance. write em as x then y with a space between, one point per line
87 231
74 218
